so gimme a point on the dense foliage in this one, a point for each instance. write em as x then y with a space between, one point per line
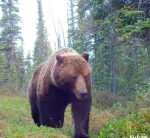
42 47
116 34
10 36
132 125
15 69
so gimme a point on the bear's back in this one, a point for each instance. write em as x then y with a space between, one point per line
42 72
65 51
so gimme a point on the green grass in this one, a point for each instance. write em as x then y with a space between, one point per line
117 121
16 121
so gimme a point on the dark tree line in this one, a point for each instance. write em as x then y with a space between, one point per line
116 33
15 69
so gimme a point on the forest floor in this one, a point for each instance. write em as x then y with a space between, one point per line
16 120
121 120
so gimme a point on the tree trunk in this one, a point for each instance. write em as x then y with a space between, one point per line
112 38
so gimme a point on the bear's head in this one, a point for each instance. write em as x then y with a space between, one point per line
72 73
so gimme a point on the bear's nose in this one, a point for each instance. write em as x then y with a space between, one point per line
84 94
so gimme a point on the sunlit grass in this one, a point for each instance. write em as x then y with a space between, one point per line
16 120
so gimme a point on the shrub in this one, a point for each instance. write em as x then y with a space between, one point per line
106 100
132 125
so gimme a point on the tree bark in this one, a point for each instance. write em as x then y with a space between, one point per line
112 88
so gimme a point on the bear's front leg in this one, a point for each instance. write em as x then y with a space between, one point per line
81 111
45 113
50 114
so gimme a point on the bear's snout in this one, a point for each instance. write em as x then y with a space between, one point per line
84 94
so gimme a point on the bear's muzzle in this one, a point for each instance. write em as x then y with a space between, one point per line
84 94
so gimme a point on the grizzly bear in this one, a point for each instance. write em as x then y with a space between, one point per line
64 78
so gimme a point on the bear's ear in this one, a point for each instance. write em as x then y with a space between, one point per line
59 59
85 56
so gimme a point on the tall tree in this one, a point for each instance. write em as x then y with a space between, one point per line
117 35
28 65
3 69
42 46
71 22
28 68
20 66
10 30
9 38
112 44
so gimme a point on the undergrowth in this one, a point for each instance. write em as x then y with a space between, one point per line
116 120
15 120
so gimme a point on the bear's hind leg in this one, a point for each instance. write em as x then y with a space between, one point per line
35 115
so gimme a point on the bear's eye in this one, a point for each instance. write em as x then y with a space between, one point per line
74 78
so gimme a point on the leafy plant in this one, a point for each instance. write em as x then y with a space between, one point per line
132 125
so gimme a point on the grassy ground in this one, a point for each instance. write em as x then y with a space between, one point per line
16 121
130 119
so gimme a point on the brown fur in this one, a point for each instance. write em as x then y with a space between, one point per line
64 76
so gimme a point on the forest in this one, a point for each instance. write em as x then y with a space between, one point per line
116 34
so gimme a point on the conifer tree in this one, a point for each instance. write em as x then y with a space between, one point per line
28 65
20 67
41 47
10 30
117 35
9 38
3 69
71 23
28 69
